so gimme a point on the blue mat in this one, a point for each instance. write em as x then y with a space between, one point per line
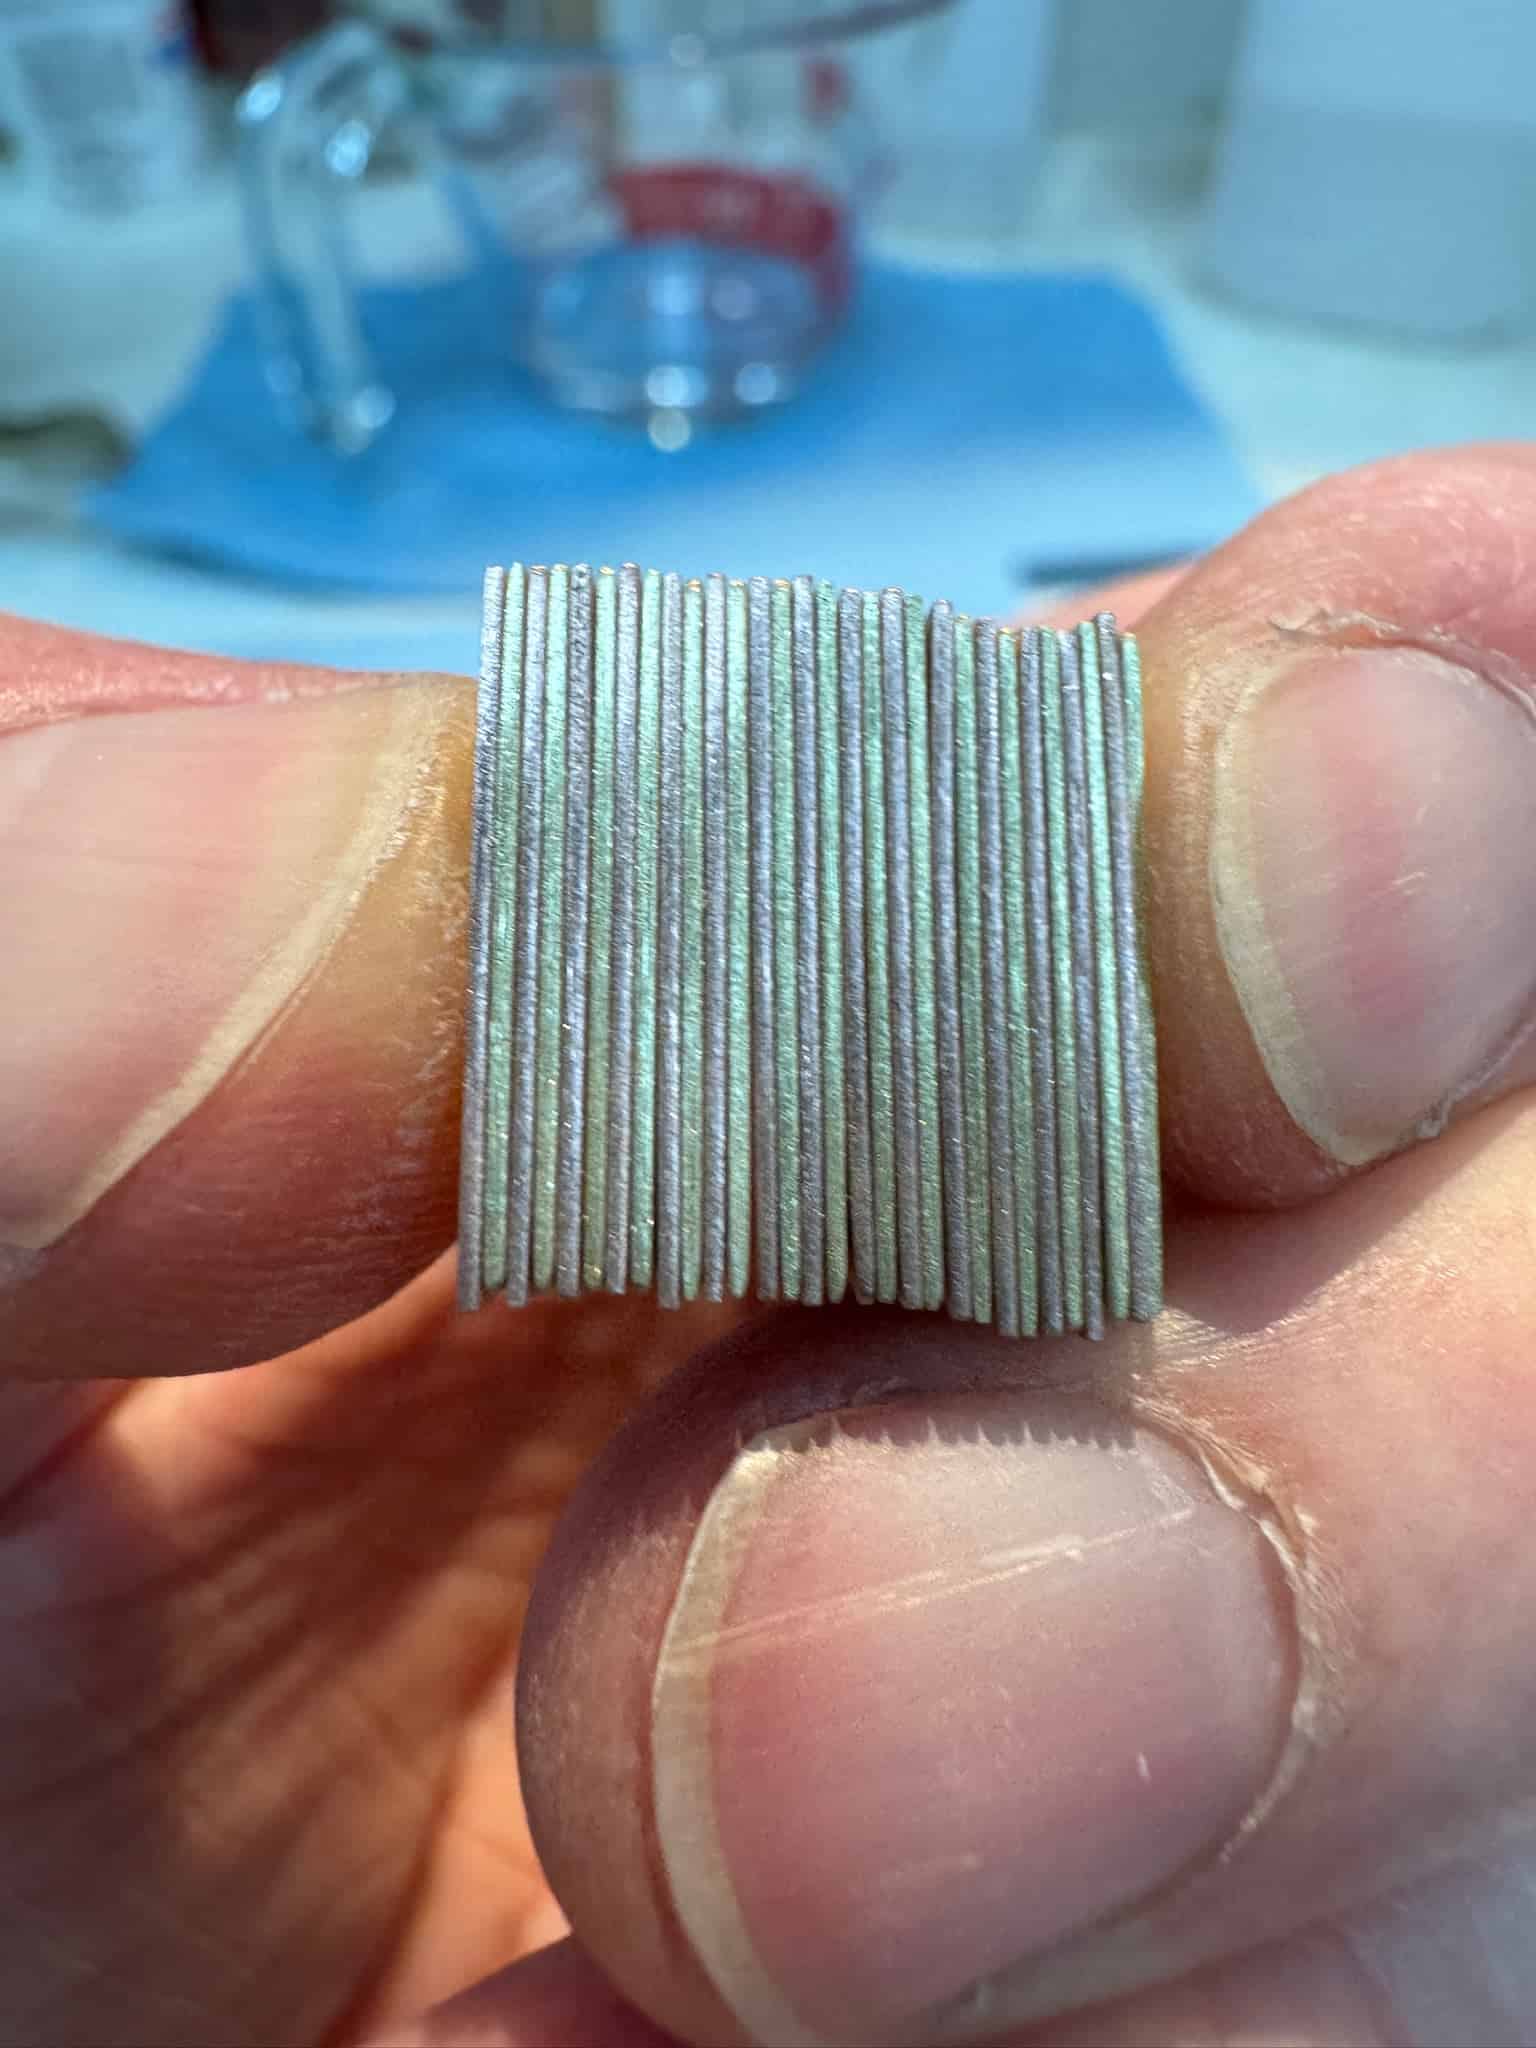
964 437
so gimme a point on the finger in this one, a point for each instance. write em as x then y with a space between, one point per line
554 1999
1449 1959
886 1686
1341 820
232 927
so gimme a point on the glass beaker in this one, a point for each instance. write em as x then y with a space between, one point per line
666 206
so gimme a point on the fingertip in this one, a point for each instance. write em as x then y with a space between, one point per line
553 1999
1338 821
230 1078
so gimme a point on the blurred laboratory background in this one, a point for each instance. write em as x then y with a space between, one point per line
311 308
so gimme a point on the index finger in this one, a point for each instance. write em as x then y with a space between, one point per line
232 927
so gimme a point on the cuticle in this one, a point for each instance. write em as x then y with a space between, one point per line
1347 630
1300 1586
1291 1582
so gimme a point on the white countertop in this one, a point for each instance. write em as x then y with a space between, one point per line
1298 402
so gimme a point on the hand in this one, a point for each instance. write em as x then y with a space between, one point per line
885 1682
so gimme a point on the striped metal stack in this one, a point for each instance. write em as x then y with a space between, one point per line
804 954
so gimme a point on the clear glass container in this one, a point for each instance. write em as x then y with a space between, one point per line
664 212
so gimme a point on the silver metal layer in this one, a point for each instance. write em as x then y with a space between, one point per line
1006 1306
472 1163
525 1016
625 895
717 964
898 876
956 1173
576 967
669 966
765 1157
808 922
1085 981
850 748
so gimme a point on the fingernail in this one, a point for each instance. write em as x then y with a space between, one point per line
171 878
1375 833
943 1686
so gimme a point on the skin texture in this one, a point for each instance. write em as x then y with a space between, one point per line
264 1626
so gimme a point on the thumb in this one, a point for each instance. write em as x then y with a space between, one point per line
231 922
1341 822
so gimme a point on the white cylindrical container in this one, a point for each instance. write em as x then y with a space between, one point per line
963 103
1380 163
1129 70
101 104
118 240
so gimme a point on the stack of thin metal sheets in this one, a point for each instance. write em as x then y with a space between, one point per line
804 954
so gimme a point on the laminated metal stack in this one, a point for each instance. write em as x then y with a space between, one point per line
805 955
